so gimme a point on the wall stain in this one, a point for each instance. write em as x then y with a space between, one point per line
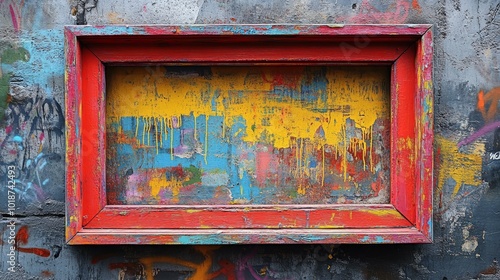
395 12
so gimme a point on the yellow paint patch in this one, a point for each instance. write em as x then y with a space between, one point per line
73 219
157 183
245 92
464 168
383 212
428 85
408 145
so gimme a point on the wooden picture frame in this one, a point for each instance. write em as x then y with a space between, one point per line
406 49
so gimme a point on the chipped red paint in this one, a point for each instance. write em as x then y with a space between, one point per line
93 135
406 220
224 217
279 236
73 134
425 134
403 134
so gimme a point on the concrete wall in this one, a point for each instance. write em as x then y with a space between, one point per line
467 189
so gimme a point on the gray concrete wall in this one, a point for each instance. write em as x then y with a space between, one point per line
467 172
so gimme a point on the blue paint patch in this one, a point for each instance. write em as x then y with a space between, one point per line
311 238
205 240
243 188
314 87
231 29
379 239
124 149
300 238
214 179
111 30
128 124
214 100
429 223
45 47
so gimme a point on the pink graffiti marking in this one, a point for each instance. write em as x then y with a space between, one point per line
487 104
244 265
484 130
13 15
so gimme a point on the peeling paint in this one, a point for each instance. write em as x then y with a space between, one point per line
250 131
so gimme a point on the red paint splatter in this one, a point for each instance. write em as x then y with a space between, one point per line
263 160
22 237
227 269
37 251
46 273
177 172
416 5
277 79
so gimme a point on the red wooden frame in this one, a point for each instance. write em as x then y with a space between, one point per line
406 219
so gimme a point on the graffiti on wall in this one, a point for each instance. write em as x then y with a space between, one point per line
484 121
32 123
213 262
149 268
32 139
11 13
22 239
460 164
247 135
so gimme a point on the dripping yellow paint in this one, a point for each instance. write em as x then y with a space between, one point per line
246 93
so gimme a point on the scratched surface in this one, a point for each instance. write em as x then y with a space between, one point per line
247 135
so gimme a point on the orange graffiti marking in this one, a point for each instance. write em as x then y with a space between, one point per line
201 270
480 103
490 99
21 238
148 267
416 6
